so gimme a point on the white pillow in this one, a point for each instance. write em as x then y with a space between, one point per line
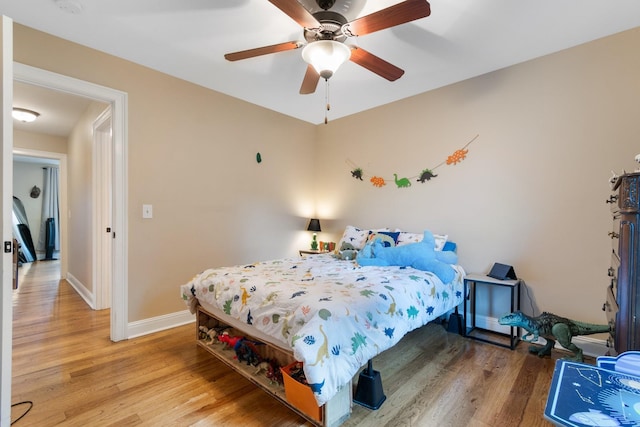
356 236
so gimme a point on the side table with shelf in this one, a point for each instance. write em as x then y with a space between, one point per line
471 282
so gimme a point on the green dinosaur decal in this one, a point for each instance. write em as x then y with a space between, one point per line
367 293
401 182
552 328
227 306
357 341
412 312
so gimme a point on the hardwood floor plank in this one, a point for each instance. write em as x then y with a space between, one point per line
64 361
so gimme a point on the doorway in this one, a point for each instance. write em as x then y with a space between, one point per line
33 162
118 106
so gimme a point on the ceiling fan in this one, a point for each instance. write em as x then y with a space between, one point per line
325 30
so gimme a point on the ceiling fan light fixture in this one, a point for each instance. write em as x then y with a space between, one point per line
326 56
24 115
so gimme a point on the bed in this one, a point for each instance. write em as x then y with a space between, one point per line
333 315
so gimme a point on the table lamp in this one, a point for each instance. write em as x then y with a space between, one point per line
314 225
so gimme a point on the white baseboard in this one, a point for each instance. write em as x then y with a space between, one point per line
589 345
87 296
140 327
159 323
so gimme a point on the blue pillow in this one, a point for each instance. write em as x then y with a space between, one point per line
450 246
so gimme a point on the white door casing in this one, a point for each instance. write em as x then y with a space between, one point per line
118 101
6 200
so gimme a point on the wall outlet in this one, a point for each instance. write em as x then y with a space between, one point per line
147 211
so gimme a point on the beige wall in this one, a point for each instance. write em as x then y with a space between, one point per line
39 141
532 190
80 189
530 193
192 155
25 176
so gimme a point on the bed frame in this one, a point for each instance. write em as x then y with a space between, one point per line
332 414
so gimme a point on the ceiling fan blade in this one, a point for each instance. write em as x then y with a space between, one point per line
250 53
376 64
407 11
295 11
310 81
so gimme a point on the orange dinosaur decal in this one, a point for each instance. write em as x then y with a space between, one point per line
458 156
377 181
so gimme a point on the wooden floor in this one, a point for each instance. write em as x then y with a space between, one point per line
64 362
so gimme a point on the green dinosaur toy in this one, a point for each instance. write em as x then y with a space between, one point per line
552 328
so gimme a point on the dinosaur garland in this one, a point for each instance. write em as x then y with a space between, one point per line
404 182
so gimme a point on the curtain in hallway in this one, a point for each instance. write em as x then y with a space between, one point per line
50 206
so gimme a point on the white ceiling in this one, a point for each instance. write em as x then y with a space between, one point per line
188 38
59 112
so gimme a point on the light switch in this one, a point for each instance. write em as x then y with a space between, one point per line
147 211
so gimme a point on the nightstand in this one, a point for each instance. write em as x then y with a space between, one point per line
312 252
471 282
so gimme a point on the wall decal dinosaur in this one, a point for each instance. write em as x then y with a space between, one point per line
402 182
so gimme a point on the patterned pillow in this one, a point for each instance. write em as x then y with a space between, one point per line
356 236
388 238
440 239
404 238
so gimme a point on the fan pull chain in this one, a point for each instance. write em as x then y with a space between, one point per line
326 98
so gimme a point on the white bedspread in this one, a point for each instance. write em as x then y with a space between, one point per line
332 313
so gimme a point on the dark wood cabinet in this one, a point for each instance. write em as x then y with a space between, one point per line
623 297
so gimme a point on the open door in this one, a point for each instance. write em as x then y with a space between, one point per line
103 212
6 201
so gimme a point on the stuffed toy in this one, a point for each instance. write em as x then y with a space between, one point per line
347 251
421 256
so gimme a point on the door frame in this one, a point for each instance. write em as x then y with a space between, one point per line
6 201
119 105
62 199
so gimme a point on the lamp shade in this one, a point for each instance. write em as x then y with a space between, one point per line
314 225
326 56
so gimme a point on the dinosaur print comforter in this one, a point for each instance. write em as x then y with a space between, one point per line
333 314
